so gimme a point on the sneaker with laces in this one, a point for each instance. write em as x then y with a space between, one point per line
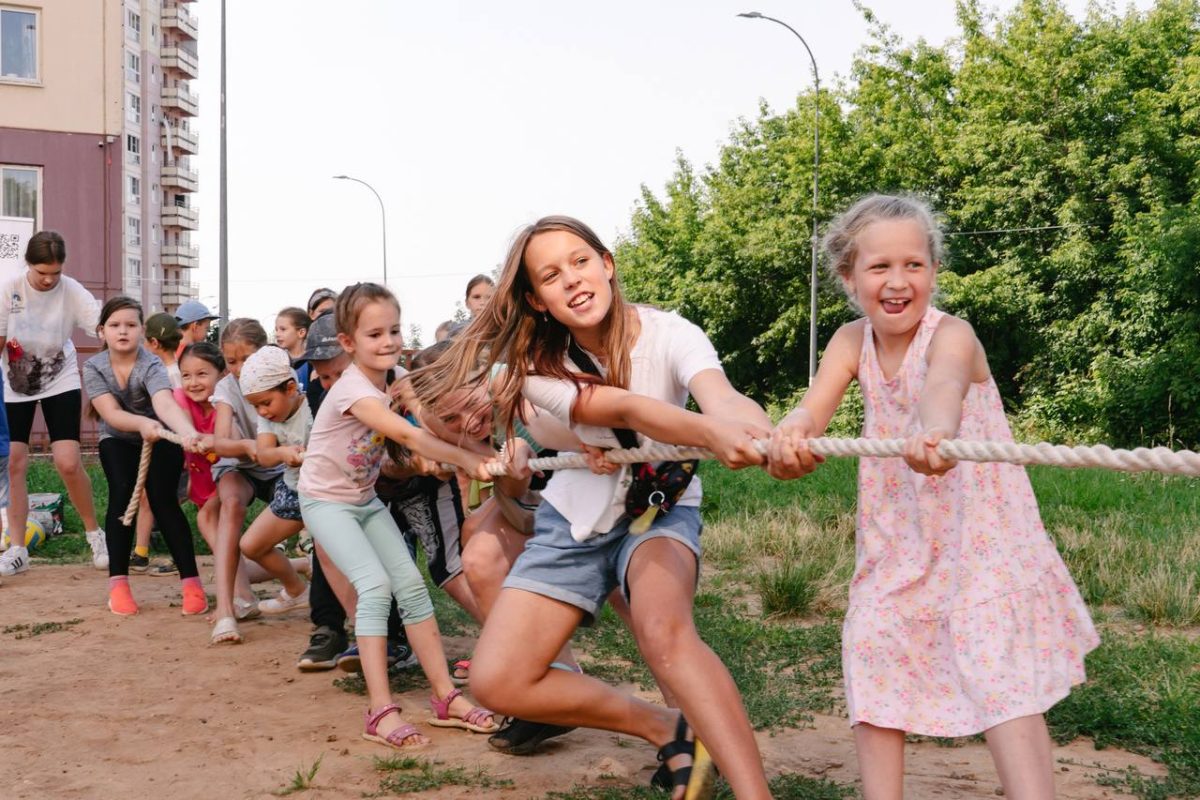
14 560
284 602
99 548
139 563
324 645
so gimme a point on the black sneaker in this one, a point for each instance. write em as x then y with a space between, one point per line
324 645
163 569
139 563
520 737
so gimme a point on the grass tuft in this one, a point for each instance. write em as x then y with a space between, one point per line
302 780
405 774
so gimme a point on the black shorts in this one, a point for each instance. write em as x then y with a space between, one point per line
61 411
433 516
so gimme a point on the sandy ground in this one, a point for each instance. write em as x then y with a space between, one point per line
141 707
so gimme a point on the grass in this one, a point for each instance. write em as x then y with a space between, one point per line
38 628
406 774
302 780
787 786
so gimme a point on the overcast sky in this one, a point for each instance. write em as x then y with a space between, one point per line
472 119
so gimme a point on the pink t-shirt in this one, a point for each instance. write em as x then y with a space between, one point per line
342 461
199 468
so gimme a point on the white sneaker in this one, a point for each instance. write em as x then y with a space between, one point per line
99 548
284 602
14 560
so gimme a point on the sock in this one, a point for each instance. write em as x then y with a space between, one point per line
193 582
115 580
144 552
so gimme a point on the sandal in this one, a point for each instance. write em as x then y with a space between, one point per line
225 631
519 737
397 738
698 778
473 721
463 665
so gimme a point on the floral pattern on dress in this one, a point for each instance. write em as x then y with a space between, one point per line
962 614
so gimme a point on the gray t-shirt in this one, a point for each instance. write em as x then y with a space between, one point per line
147 378
245 426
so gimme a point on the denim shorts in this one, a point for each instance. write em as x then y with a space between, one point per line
285 503
583 574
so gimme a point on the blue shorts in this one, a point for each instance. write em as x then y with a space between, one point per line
583 574
285 503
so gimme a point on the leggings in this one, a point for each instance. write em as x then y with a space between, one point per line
324 608
365 544
119 458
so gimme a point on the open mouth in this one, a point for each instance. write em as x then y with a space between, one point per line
579 299
894 306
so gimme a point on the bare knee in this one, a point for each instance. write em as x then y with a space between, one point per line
483 562
68 465
494 686
662 636
18 462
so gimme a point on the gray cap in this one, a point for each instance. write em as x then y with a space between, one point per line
190 311
322 340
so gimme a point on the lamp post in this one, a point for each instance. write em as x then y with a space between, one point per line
382 215
812 314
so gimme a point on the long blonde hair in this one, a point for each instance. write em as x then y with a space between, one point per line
512 332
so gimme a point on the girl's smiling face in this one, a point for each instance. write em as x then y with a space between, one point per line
571 281
236 353
122 331
467 413
377 341
199 378
892 279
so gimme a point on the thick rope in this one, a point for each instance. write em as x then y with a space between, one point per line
1143 459
135 499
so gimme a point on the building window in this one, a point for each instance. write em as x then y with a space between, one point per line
133 110
133 232
133 67
133 273
135 190
133 24
18 44
133 146
20 192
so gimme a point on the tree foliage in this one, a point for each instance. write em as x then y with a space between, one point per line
1074 145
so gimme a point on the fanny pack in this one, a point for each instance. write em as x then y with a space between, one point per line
652 490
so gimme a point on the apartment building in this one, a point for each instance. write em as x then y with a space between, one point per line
96 138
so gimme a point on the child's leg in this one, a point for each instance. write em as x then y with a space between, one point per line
69 463
234 493
338 583
433 516
661 577
145 522
258 543
119 460
162 484
880 761
1021 750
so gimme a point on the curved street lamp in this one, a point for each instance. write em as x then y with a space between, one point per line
382 215
812 314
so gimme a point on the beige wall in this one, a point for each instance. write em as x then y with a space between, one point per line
80 61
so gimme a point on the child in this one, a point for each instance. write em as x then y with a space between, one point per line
337 497
201 367
194 320
962 616
269 385
559 286
39 309
291 330
163 338
130 391
238 476
479 293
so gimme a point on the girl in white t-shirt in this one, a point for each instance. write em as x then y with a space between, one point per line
558 289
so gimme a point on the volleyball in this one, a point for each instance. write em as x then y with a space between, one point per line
35 534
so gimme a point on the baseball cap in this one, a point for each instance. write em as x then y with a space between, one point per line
163 328
190 311
265 369
319 296
322 340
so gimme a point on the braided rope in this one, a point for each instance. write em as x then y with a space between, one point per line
1142 459
135 499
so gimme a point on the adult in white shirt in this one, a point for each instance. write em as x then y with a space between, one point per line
39 310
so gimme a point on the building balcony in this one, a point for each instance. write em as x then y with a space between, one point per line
181 99
180 59
182 140
179 255
175 293
180 20
180 217
181 178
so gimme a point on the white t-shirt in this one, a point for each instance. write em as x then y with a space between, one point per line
42 324
292 432
669 352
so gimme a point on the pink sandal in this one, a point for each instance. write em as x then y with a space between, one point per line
471 722
462 665
394 739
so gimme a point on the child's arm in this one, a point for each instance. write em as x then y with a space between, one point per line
547 431
224 444
788 455
176 418
375 415
110 411
271 452
954 355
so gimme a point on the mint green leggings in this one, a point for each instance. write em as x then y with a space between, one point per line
365 544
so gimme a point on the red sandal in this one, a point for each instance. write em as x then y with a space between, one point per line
397 737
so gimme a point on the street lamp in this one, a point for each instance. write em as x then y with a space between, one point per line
812 314
382 214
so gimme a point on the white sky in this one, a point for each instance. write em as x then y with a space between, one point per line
472 119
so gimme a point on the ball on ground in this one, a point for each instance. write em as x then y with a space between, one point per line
35 534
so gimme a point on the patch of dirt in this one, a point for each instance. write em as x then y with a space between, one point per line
142 707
